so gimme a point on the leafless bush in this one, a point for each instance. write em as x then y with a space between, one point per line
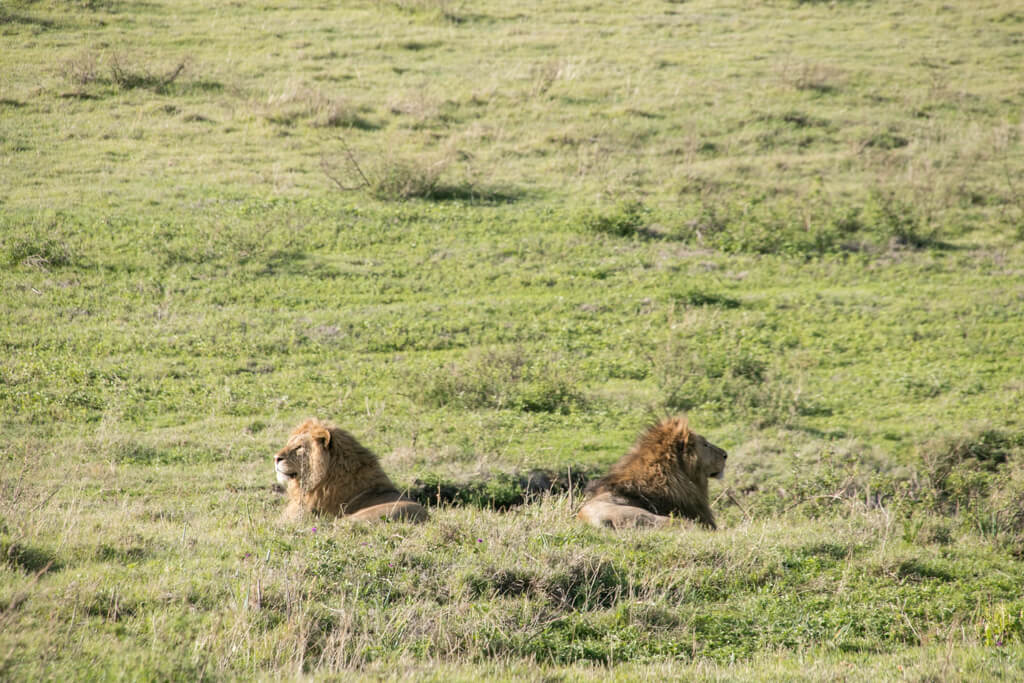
391 177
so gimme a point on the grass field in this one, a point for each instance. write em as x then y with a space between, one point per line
491 238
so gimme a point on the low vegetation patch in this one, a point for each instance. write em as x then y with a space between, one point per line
504 379
878 221
120 71
622 220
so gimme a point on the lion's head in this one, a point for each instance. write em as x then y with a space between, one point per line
305 458
324 469
703 458
671 444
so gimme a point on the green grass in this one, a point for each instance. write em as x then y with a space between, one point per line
494 242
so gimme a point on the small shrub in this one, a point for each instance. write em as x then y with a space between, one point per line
89 67
986 451
760 225
896 220
624 219
398 178
499 491
936 532
723 376
128 76
405 178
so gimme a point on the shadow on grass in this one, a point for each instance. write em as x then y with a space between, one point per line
696 296
27 558
501 491
473 195
78 95
25 20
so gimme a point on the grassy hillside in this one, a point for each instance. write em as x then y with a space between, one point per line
488 239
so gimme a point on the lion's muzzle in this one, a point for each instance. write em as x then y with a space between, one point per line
720 474
284 470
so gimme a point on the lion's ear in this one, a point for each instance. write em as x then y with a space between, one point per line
321 434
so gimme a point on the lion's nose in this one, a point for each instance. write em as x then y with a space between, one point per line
278 458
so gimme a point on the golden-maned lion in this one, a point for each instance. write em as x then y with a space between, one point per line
325 470
666 472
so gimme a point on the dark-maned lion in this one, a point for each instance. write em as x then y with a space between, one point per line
325 470
665 473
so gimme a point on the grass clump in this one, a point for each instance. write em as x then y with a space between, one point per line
897 220
119 70
396 178
128 75
583 583
82 69
624 219
42 241
314 106
436 10
979 476
400 179
37 250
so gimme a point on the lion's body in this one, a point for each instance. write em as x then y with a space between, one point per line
664 473
325 470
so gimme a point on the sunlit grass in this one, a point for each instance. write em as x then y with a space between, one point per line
494 242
